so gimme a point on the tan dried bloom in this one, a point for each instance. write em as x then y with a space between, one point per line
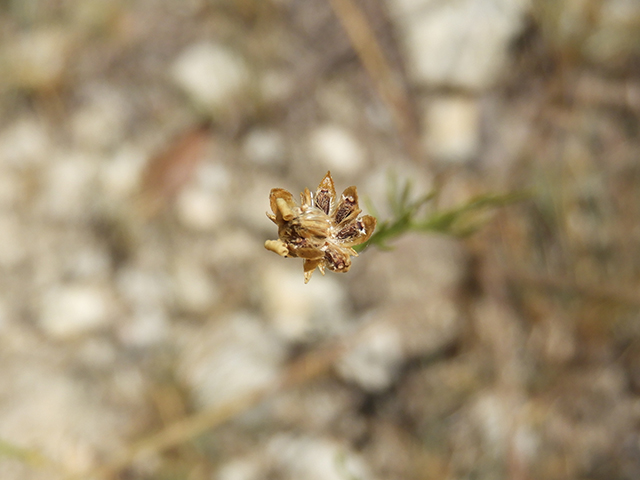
322 229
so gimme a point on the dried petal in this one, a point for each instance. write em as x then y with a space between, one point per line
357 231
310 266
305 199
308 252
326 194
348 207
277 246
337 259
281 199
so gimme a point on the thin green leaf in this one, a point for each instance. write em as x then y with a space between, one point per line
459 221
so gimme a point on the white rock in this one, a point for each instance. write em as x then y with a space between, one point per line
214 176
25 142
202 205
101 120
143 287
496 415
86 262
213 76
264 147
373 361
297 457
337 149
69 186
37 59
249 468
314 458
297 311
195 290
13 244
69 311
232 358
452 125
147 326
199 209
431 325
59 416
460 43
120 176
147 293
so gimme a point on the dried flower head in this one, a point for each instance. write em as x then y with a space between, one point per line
322 229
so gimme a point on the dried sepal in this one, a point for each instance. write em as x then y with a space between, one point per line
321 230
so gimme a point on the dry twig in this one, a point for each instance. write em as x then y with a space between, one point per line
386 82
310 366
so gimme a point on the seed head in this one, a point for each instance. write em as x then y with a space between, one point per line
322 230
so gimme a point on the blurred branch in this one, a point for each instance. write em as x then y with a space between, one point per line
375 63
310 366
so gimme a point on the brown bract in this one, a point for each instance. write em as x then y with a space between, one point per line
322 230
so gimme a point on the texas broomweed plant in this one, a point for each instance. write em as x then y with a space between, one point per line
323 230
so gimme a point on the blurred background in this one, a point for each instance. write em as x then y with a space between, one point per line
145 333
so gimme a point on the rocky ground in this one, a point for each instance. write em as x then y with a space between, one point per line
146 333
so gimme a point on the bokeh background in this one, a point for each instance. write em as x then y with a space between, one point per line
145 333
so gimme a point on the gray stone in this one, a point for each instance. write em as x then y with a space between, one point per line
232 358
195 290
460 43
25 142
315 458
295 311
213 76
452 128
337 149
69 311
263 146
101 121
373 361
37 59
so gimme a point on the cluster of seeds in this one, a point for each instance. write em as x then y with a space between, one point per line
322 230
